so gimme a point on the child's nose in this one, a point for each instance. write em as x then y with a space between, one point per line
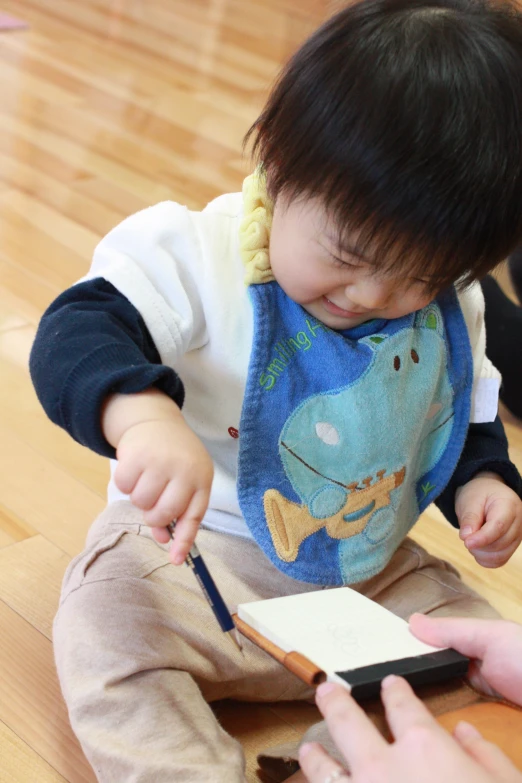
371 294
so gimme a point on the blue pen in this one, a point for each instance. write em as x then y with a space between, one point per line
210 591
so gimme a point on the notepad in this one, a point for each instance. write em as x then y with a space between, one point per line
342 636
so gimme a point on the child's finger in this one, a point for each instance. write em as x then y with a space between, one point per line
161 535
498 544
496 525
471 520
148 489
187 526
127 475
171 505
493 559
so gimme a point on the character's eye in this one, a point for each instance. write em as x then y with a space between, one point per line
327 433
414 355
397 363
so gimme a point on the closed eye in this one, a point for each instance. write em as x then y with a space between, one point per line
338 262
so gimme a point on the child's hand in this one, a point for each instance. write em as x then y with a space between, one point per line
162 465
490 518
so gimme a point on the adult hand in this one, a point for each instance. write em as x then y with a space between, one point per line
495 647
423 752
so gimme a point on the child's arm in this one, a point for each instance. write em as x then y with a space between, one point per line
484 472
91 342
99 376
104 352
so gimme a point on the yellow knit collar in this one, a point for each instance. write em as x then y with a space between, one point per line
254 232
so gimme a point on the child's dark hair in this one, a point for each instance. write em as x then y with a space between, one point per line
405 118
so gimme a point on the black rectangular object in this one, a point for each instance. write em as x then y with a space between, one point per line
424 669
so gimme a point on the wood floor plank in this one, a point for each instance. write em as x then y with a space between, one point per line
26 210
12 528
76 206
31 704
55 504
20 764
30 246
173 153
140 185
10 319
21 411
21 290
31 574
50 92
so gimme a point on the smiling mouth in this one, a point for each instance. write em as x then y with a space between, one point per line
336 310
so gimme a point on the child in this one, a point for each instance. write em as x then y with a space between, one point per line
303 421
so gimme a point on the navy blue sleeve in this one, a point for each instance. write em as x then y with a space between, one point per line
485 449
91 343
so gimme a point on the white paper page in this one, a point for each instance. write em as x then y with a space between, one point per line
336 629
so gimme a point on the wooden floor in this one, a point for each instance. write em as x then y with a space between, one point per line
108 107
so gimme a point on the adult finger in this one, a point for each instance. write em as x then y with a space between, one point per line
318 766
403 709
467 635
350 728
485 753
479 682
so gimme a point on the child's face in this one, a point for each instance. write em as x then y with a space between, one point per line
341 290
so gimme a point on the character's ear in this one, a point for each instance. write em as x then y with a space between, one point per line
374 340
429 317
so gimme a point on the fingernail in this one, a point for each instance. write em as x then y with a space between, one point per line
178 559
305 749
324 689
465 730
391 679
466 531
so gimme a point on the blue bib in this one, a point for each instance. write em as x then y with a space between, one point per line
346 437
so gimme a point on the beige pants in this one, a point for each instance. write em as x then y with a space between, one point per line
139 653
